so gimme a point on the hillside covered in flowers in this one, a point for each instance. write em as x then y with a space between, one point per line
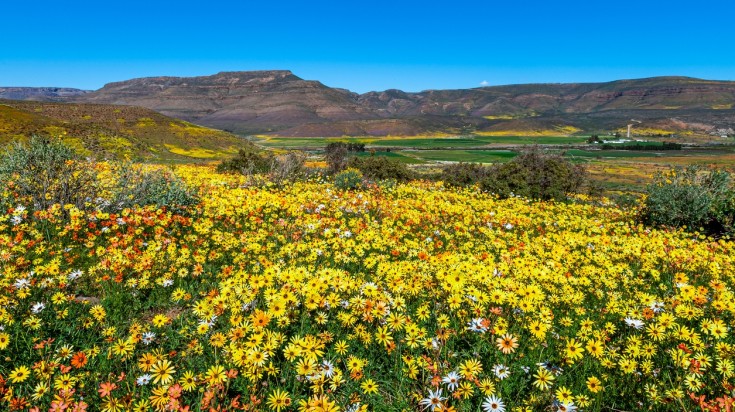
393 297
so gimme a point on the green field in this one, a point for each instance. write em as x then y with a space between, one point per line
613 169
419 142
400 156
475 156
303 143
543 140
614 153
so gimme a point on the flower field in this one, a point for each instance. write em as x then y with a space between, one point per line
390 298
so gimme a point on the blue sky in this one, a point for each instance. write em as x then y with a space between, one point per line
366 45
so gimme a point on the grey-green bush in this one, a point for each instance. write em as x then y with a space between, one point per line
348 179
139 186
288 167
44 171
691 197
336 156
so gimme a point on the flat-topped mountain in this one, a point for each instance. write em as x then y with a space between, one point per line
243 102
279 102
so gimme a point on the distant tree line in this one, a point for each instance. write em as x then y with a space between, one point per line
664 146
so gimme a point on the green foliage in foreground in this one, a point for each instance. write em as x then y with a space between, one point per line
692 197
348 179
44 172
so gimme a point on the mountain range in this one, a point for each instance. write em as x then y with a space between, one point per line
277 102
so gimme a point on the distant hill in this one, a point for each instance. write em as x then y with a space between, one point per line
39 93
277 102
671 93
115 131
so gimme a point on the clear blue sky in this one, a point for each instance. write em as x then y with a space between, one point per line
366 45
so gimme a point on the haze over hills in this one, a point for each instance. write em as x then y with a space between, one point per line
280 103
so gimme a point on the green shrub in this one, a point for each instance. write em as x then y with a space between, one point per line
279 169
691 197
626 200
381 168
247 162
348 179
532 174
43 172
140 186
464 174
536 175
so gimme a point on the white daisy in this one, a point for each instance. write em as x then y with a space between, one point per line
434 400
501 371
143 380
148 337
353 408
22 283
475 325
657 307
452 380
75 274
634 323
327 368
566 407
493 404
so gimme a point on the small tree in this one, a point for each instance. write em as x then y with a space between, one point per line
464 174
247 162
356 147
287 167
336 156
536 175
381 168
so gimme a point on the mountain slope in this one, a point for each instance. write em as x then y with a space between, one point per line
278 102
539 99
115 131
